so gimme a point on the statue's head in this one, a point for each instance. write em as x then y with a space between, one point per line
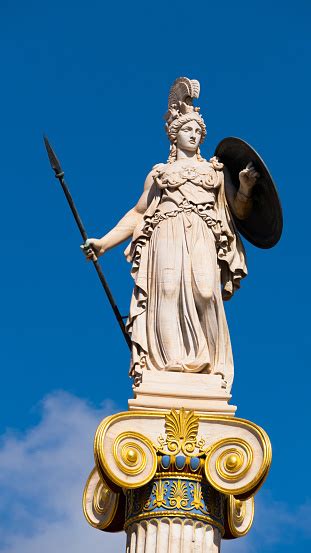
184 125
189 136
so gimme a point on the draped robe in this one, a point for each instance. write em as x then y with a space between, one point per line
186 258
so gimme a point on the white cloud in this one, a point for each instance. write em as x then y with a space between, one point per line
42 476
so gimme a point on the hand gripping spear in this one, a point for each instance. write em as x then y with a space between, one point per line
59 174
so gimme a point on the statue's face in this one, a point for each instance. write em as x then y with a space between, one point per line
189 136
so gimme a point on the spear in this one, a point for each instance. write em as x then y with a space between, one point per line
59 174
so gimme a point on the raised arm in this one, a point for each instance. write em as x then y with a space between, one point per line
95 247
240 200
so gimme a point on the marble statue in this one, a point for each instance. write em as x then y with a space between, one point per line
177 471
186 254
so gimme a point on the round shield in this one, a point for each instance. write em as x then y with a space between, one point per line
263 227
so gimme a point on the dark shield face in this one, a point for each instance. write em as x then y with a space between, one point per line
263 227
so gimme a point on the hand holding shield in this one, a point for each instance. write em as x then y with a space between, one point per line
248 178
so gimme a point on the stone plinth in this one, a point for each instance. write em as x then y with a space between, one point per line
167 390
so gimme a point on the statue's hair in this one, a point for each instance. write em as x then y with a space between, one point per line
175 126
181 111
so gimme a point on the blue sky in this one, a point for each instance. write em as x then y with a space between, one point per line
95 78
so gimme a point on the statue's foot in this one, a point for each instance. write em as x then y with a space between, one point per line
174 366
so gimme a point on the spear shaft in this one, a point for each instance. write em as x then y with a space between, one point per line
59 174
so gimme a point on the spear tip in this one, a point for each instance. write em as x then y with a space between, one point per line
55 164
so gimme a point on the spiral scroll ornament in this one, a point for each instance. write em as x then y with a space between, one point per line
129 461
234 465
228 466
240 515
100 503
130 453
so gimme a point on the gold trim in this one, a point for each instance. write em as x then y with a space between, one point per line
129 454
253 485
96 502
97 496
252 492
181 428
234 461
183 475
129 466
103 466
232 475
254 428
231 512
177 514
239 511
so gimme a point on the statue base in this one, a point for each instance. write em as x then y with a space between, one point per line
172 390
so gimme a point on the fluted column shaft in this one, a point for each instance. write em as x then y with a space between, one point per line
172 535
